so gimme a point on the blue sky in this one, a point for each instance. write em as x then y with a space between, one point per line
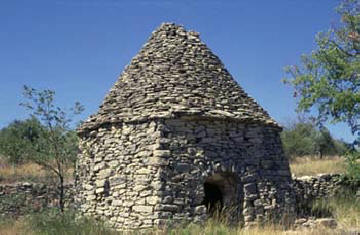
79 47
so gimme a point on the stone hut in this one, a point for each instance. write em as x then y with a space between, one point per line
177 137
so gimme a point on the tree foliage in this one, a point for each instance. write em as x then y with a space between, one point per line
353 168
302 138
328 79
18 138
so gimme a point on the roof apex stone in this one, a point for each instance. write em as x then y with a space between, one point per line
175 74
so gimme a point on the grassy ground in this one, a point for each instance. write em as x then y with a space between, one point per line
66 225
310 165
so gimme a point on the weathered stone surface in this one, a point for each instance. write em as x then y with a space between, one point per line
146 209
169 77
157 161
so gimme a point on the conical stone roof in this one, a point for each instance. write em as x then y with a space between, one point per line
175 74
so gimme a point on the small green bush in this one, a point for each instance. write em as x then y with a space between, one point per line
17 139
352 176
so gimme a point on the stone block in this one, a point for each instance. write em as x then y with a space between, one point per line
104 173
157 161
161 153
140 201
162 207
152 200
88 187
117 202
167 200
250 188
117 180
200 210
99 190
143 171
100 183
182 167
143 209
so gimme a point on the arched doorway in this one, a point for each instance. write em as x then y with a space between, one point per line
220 191
213 199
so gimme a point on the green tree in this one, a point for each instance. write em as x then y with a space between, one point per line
298 139
18 138
328 79
342 147
324 142
303 137
56 147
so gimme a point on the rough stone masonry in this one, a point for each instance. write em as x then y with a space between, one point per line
176 138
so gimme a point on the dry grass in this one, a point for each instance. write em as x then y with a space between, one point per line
310 165
21 227
346 212
345 208
26 172
11 227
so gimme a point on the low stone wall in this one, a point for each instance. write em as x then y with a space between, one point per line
21 198
311 187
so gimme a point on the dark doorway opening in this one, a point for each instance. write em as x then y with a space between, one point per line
222 198
213 199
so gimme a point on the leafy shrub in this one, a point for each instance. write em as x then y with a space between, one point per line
17 139
352 176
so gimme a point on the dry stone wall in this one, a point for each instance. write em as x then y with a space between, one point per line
119 175
315 187
140 175
310 188
21 198
244 160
